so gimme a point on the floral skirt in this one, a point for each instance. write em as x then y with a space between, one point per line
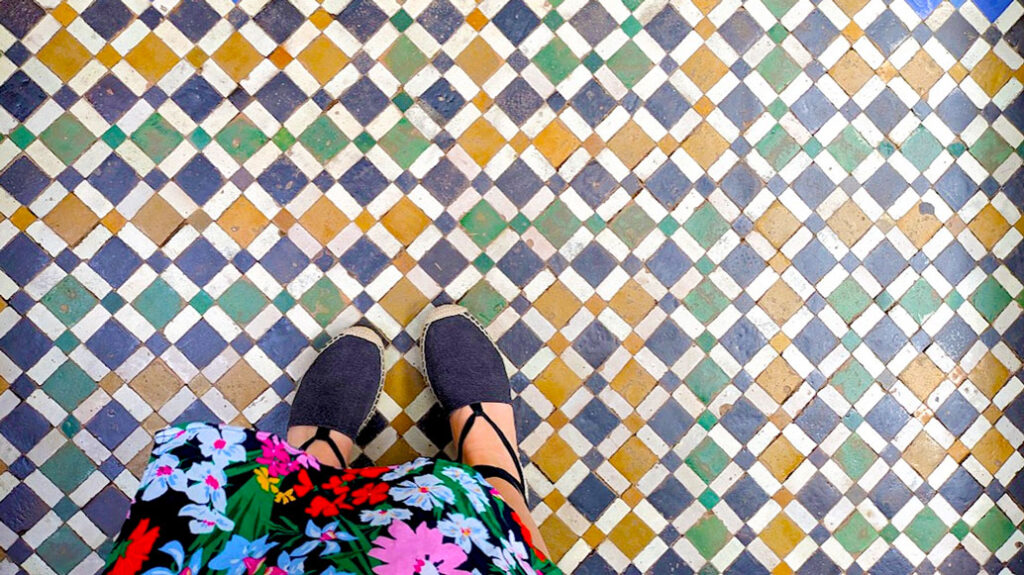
223 499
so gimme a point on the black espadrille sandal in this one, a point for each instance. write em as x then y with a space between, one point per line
464 368
340 389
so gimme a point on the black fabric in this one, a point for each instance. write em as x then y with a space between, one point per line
340 389
462 364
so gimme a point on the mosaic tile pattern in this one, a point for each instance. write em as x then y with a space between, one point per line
757 265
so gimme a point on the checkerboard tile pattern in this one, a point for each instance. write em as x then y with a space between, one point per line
756 265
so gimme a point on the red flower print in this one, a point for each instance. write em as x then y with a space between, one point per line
140 543
527 536
304 485
372 493
368 472
335 484
321 506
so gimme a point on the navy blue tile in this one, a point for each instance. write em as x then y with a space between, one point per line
363 181
108 509
445 181
197 97
671 421
201 261
596 421
519 183
520 264
20 96
441 20
668 184
114 178
594 184
516 21
669 263
21 259
201 344
519 344
24 427
282 342
670 498
364 260
592 102
194 18
594 264
284 261
595 344
280 96
112 344
668 342
23 180
364 100
22 509
443 262
668 28
817 420
112 424
887 417
25 344
200 179
743 420
591 497
362 18
745 497
279 19
443 98
107 17
818 496
890 495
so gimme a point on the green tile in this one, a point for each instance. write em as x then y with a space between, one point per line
112 302
705 301
66 342
990 299
855 457
889 533
707 460
22 137
852 380
114 137
704 265
483 224
856 534
519 223
850 340
63 551
68 467
707 420
921 148
241 139
920 300
778 8
956 149
960 529
709 536
709 498
706 225
557 223
284 301
404 143
926 530
629 64
243 301
201 302
632 225
849 299
993 529
323 139
668 226
886 149
813 147
65 508
954 300
157 138
484 301
69 300
70 426
631 26
852 420
403 59
778 69
592 61
553 20
483 263
991 150
595 224
199 138
705 341
323 301
364 142
403 101
706 380
69 385
401 20
777 108
884 300
67 138
778 33
777 147
556 60
158 303
849 148
283 139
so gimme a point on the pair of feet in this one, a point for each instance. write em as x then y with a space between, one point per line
339 393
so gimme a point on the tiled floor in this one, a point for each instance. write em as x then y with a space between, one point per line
758 265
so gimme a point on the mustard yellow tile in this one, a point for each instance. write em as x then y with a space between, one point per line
633 382
781 535
924 454
777 224
989 226
478 60
991 73
237 57
779 380
921 72
849 222
631 144
403 383
780 302
781 458
405 220
992 450
481 141
554 457
703 68
990 375
558 304
404 301
632 302
631 535
851 72
918 224
557 382
921 376
64 55
556 143
323 59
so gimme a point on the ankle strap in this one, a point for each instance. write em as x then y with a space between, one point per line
490 470
324 434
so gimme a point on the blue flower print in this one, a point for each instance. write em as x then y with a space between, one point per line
177 553
223 445
241 555
209 485
328 535
160 475
424 491
205 519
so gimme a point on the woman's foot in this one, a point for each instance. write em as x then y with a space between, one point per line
467 374
337 396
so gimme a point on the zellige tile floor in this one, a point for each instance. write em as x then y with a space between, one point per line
756 265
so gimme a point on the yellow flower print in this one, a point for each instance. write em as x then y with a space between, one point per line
267 483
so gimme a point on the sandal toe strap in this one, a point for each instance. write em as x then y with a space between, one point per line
324 434
490 470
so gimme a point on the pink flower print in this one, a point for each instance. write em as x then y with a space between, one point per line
421 551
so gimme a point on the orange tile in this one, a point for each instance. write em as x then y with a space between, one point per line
152 58
481 141
476 19
323 59
365 221
280 57
556 143
22 218
237 57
